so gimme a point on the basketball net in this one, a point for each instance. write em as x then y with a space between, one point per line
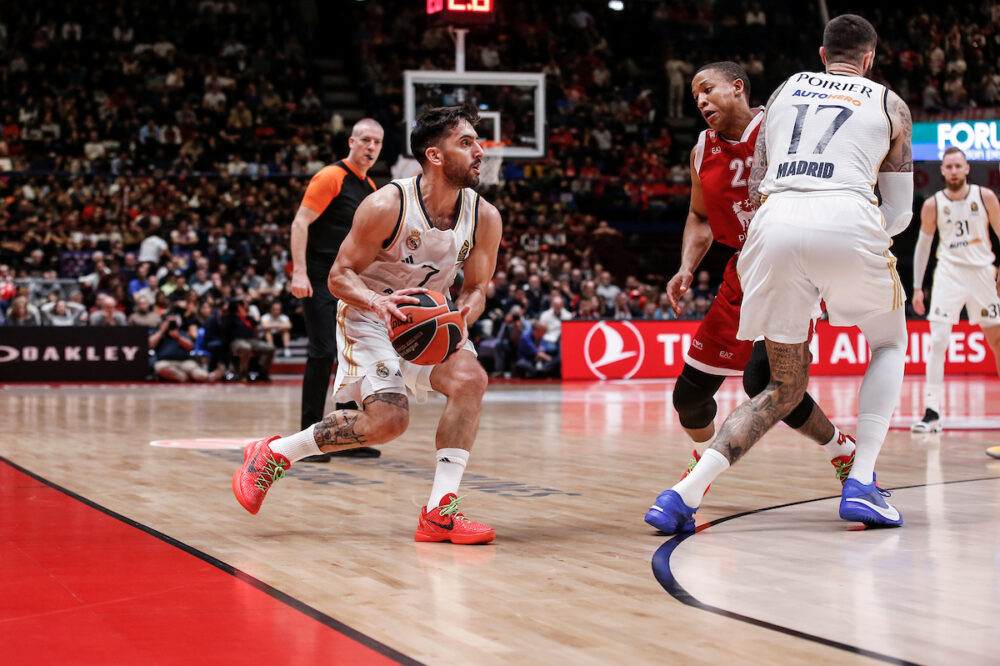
489 170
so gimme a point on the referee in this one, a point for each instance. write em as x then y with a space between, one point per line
320 226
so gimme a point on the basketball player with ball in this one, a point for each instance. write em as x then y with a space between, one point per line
408 241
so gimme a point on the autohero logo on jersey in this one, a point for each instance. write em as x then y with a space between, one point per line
808 79
68 353
614 350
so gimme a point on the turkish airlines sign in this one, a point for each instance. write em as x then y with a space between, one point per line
655 349
73 353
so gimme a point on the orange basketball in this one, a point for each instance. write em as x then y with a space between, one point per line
432 329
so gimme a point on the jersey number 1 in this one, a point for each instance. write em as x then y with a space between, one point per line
800 120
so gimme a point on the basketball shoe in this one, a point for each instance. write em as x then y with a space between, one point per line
447 523
930 423
866 504
842 466
261 467
670 514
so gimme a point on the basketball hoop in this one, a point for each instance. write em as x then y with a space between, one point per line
489 169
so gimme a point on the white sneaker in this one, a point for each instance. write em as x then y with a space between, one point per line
930 423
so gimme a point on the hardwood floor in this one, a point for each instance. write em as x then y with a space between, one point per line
564 472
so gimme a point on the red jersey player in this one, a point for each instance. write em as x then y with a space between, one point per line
720 210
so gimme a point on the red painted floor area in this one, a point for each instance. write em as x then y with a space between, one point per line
78 586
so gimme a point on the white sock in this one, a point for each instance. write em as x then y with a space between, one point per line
932 396
297 446
692 487
872 430
839 445
448 474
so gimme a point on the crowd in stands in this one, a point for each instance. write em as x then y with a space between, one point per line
153 155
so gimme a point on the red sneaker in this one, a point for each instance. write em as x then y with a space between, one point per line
446 523
691 464
261 467
843 464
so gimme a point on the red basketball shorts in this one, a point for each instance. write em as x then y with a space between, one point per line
714 348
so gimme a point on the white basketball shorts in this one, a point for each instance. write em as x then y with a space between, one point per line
803 247
974 287
367 362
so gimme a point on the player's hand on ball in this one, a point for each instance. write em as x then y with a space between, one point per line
386 306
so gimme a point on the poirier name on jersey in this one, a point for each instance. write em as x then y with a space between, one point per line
826 132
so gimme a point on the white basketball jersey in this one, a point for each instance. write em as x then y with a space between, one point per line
418 254
964 229
826 132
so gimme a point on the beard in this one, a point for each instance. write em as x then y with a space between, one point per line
457 176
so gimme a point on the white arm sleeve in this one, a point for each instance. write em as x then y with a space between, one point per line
897 199
920 256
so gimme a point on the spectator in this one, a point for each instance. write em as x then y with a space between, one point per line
63 313
172 348
144 315
107 313
21 314
240 332
276 323
535 357
553 319
606 288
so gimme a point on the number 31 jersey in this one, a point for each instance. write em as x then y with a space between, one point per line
417 254
723 167
964 229
826 132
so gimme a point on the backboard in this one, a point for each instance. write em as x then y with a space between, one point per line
511 104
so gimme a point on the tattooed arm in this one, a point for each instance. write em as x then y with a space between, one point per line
759 167
900 155
895 178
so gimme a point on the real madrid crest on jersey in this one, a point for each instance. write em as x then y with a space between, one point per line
463 253
381 370
413 241
947 210
974 207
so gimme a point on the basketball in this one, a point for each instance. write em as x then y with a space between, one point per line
432 329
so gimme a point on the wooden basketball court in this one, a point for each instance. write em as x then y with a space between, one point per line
119 551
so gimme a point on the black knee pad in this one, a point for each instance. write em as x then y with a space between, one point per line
694 397
757 373
801 413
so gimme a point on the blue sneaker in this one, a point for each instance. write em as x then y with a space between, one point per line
670 514
865 504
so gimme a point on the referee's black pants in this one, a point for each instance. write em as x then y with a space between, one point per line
320 313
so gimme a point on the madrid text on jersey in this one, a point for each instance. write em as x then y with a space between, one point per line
842 86
802 167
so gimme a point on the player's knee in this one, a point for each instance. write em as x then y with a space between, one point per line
790 393
466 378
757 373
800 413
694 401
387 420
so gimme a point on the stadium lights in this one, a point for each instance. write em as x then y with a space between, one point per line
616 5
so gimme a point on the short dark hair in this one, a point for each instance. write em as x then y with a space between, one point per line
435 123
731 71
951 150
847 37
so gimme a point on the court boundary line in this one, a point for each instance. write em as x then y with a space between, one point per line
667 580
278 595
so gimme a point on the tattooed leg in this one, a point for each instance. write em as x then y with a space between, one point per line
749 421
384 417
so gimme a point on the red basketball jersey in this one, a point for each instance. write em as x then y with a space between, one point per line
724 169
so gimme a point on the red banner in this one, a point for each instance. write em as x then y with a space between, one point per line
655 349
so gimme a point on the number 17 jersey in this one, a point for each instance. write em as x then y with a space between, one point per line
826 133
